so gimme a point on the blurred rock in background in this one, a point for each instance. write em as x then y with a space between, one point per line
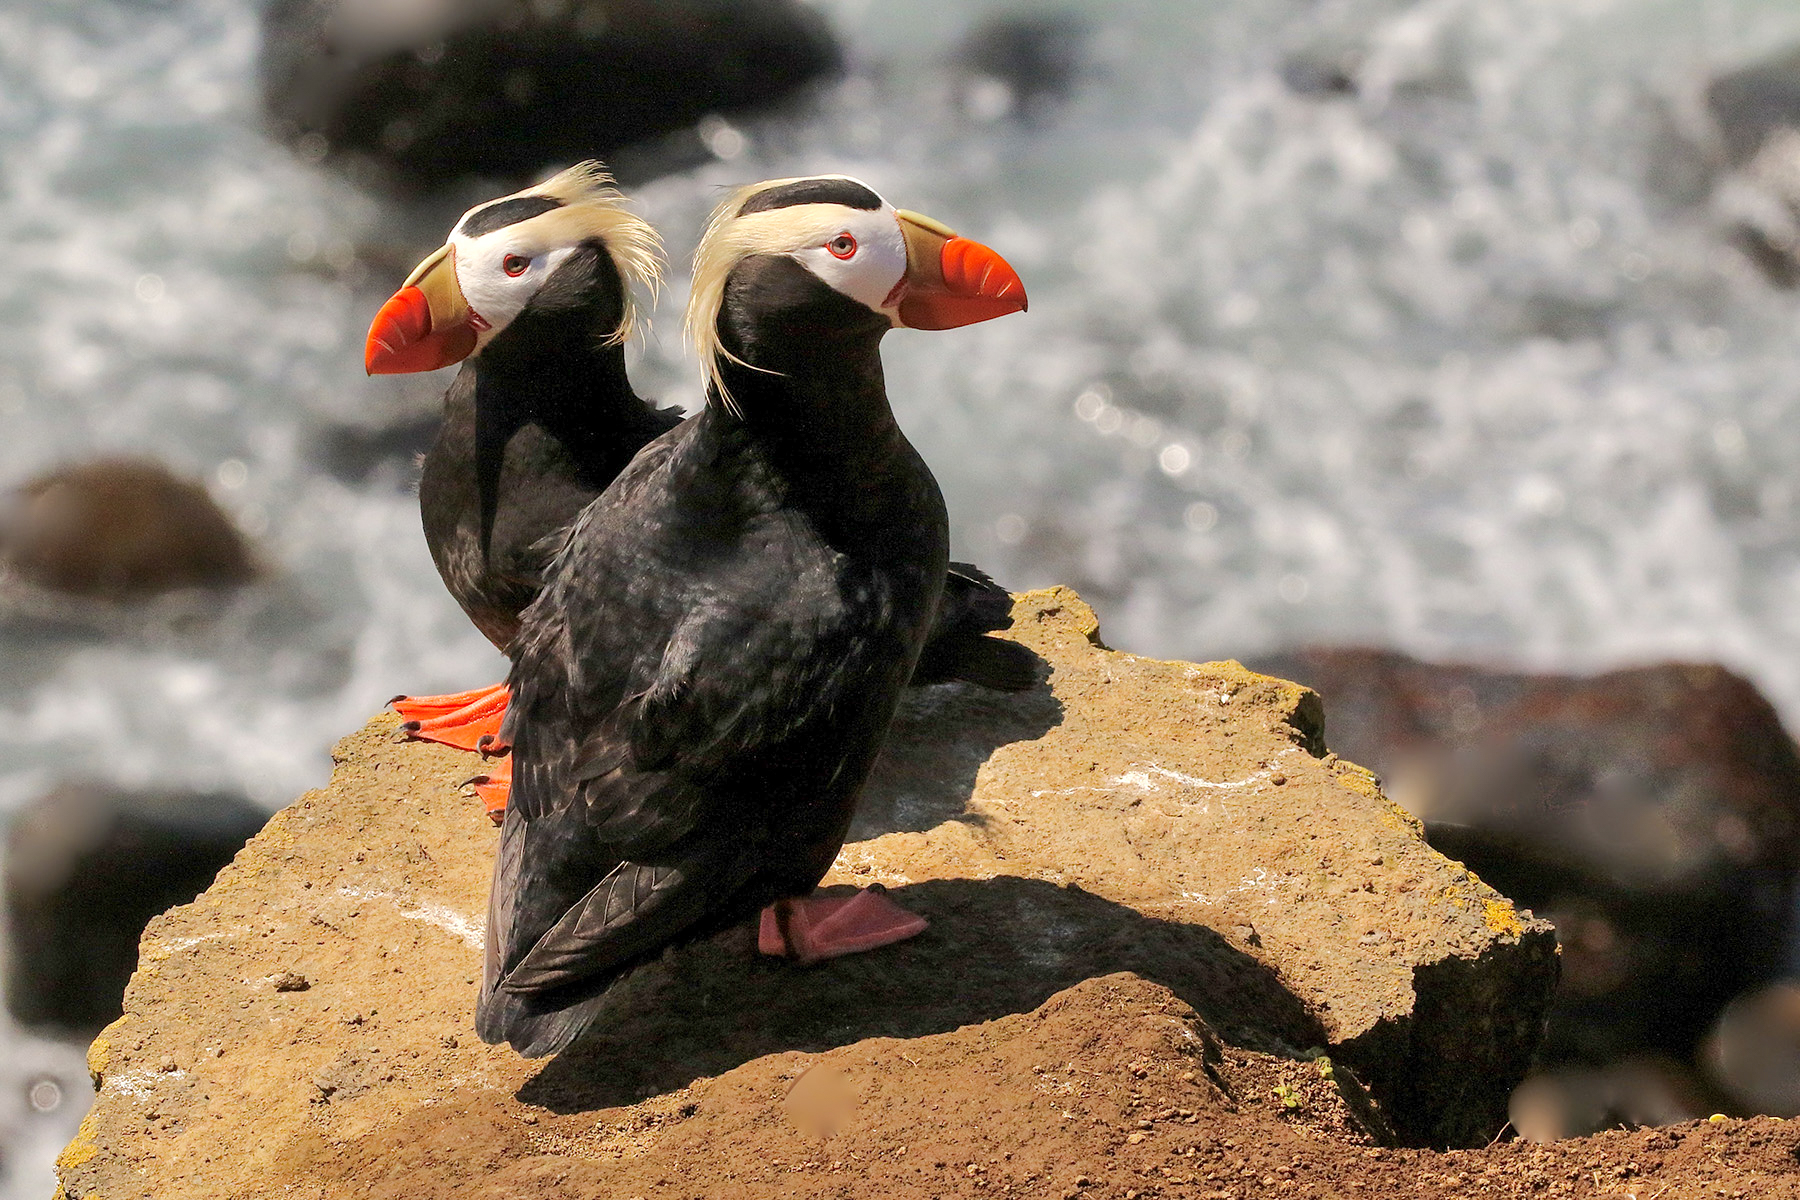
1757 113
1319 75
422 93
356 452
1641 1090
1016 64
119 529
1753 1053
1653 814
1755 101
86 867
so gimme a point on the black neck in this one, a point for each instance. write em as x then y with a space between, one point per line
809 392
553 365
803 366
555 368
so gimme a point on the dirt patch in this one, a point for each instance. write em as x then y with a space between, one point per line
1113 1089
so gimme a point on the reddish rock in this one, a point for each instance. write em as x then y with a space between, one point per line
1652 813
120 528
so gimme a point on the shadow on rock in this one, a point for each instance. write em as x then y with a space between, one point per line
936 746
995 947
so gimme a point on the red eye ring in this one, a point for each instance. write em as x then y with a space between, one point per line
514 264
842 246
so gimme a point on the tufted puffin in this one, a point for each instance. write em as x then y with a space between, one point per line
533 294
702 686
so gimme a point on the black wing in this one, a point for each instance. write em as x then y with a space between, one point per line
633 910
972 607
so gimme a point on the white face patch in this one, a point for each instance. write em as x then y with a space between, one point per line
499 272
861 254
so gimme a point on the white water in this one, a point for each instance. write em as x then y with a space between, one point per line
1285 378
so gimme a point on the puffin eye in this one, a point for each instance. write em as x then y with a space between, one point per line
842 246
514 264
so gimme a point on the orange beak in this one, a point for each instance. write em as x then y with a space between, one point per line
950 280
425 325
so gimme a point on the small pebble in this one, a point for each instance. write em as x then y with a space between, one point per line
290 981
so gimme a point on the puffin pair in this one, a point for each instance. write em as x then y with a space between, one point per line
533 294
721 638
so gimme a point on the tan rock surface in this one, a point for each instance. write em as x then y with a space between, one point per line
304 1027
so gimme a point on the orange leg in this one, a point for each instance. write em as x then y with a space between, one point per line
461 720
811 929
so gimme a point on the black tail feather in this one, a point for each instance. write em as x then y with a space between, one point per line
540 1024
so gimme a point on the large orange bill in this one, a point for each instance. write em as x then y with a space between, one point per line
952 281
425 325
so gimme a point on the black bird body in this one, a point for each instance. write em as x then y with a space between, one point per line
702 687
535 428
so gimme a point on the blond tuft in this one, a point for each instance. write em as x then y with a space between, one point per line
594 207
730 239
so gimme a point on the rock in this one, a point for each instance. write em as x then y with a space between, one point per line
355 452
1120 818
1753 1053
1752 102
1319 75
1112 1088
120 529
436 90
86 868
1019 62
1653 813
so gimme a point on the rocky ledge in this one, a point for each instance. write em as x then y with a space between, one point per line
1267 931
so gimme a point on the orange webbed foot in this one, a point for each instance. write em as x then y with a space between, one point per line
461 720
